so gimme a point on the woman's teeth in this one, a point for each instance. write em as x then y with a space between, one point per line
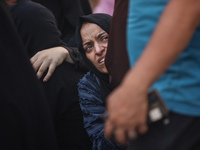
102 60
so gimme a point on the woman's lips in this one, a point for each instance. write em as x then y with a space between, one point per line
101 61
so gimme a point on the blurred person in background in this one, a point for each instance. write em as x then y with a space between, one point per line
67 13
37 28
103 6
26 121
117 49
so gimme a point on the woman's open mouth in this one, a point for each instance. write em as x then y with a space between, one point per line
101 61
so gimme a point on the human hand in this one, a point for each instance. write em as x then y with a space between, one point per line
49 58
127 108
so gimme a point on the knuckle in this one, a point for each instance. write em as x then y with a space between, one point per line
50 72
41 70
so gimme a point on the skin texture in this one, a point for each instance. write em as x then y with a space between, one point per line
95 42
127 104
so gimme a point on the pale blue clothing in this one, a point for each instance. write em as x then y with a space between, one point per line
180 84
93 109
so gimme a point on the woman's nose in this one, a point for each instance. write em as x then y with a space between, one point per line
99 49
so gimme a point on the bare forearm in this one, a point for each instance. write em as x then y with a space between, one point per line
171 36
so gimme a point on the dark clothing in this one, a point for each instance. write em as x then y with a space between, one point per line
67 13
61 92
26 123
117 61
38 29
102 20
179 134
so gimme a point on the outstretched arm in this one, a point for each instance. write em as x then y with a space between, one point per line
53 57
127 105
38 29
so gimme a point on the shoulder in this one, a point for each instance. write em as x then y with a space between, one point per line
31 10
89 80
89 87
90 99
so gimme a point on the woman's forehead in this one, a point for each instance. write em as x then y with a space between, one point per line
90 30
90 26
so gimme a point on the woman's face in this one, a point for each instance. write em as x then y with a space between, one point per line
95 41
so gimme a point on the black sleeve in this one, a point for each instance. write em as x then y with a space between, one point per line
40 24
73 9
77 59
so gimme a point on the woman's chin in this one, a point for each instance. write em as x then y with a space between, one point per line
104 70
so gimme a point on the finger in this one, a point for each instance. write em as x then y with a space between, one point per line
120 135
36 65
142 129
33 59
132 135
42 69
51 70
108 129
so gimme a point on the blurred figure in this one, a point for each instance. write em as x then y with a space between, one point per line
67 13
26 122
38 30
104 6
117 49
163 48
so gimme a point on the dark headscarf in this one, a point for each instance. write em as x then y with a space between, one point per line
102 20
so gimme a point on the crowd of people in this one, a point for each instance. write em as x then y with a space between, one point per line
76 76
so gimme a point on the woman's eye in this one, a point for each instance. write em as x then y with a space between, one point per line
88 48
105 38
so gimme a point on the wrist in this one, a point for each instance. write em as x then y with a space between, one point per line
137 79
68 57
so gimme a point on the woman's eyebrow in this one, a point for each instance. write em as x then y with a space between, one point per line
100 34
97 37
86 43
